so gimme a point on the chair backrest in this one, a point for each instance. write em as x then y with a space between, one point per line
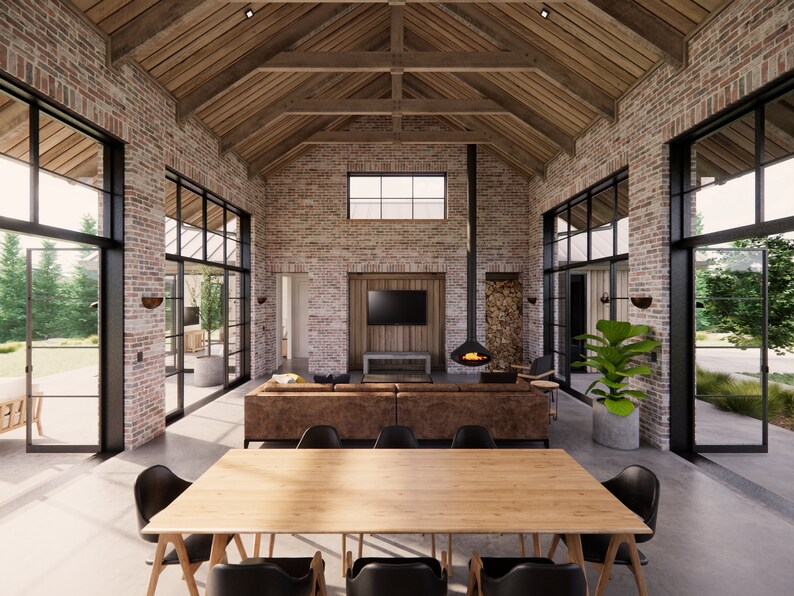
257 579
320 436
538 579
638 489
155 488
396 436
542 364
473 436
419 576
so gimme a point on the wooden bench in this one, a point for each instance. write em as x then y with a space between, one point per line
397 356
13 413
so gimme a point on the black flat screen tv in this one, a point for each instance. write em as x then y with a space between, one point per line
396 307
191 316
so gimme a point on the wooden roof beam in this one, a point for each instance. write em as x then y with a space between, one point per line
492 91
642 22
382 137
484 24
401 61
372 89
311 22
152 23
403 107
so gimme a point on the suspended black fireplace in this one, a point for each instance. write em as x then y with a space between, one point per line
471 352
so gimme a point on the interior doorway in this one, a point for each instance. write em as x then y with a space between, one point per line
294 309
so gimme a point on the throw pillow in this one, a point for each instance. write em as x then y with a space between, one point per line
282 379
324 379
297 378
340 379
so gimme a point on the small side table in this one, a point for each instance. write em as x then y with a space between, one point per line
550 388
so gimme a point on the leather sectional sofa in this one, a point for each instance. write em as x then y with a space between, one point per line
515 411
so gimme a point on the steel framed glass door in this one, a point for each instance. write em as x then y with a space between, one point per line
731 369
62 369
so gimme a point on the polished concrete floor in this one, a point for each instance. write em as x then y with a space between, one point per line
78 536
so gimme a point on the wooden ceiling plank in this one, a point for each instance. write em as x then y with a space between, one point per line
642 22
156 22
381 137
545 64
286 37
385 107
397 45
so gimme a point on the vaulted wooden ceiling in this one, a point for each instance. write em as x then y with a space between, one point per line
498 74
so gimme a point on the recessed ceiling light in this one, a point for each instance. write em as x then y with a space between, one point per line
545 12
249 13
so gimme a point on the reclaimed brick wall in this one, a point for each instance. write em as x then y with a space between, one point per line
309 231
44 44
745 47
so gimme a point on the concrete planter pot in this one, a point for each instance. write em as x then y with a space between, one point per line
617 432
208 371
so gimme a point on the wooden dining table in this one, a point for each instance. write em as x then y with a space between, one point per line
397 491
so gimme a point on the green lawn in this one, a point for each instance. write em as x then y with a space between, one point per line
782 378
49 360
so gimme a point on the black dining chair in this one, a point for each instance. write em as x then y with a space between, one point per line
396 436
638 488
155 488
320 436
540 368
396 576
294 576
538 576
473 436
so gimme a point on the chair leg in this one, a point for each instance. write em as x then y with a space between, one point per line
344 553
360 545
522 549
536 544
449 554
257 544
553 548
433 545
271 545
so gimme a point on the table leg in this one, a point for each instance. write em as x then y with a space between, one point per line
184 562
157 565
636 566
609 560
575 555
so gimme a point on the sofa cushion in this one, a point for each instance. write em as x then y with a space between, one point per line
326 379
367 387
494 387
420 387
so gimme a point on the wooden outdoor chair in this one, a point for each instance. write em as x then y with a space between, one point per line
13 412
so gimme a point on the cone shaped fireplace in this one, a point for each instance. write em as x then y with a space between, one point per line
471 352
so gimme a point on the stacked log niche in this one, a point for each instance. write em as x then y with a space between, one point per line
504 321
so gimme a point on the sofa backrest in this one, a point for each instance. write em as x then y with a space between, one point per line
494 387
294 387
427 387
365 387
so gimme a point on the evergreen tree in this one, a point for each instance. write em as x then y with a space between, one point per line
12 289
47 296
81 290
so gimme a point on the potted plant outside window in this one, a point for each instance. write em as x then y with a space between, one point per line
208 369
616 421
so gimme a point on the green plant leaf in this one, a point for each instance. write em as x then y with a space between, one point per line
600 340
635 393
619 407
642 369
640 347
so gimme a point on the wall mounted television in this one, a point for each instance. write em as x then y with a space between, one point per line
191 316
396 307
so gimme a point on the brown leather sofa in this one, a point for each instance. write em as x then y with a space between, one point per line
275 412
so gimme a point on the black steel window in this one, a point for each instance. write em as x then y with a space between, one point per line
396 196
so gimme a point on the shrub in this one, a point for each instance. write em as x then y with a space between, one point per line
743 396
10 347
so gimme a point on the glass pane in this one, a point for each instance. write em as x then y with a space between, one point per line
364 208
215 248
171 393
734 274
725 154
233 253
232 225
235 367
778 128
603 209
560 252
429 187
215 217
192 208
778 195
171 354
578 219
235 307
70 154
428 208
561 225
192 242
69 206
235 285
397 187
725 206
623 236
235 339
67 421
579 248
560 287
397 209
364 187
729 406
15 198
602 242
171 245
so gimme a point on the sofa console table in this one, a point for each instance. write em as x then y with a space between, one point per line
397 356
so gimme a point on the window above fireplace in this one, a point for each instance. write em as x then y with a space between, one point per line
396 196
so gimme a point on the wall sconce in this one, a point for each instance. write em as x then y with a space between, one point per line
642 302
151 302
532 299
94 305
261 299
604 298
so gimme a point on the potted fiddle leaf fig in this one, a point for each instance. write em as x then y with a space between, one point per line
616 421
